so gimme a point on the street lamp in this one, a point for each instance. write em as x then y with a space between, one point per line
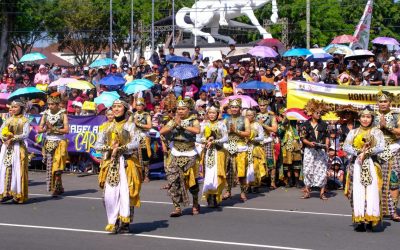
110 38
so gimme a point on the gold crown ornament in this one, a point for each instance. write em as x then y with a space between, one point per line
124 103
384 96
235 102
214 107
140 101
185 103
18 102
366 111
54 98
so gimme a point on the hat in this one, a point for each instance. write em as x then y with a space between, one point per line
76 104
371 65
392 58
101 107
384 95
113 66
11 66
185 103
54 98
332 147
278 94
140 101
235 102
262 69
315 105
232 43
88 106
330 61
42 67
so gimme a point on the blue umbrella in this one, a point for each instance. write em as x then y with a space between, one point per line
102 62
34 56
211 86
297 52
256 85
107 98
319 57
184 72
27 93
135 88
112 80
179 59
144 82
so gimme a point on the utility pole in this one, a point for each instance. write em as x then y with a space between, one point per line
110 38
195 24
308 23
152 27
131 32
173 23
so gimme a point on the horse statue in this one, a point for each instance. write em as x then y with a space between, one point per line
213 13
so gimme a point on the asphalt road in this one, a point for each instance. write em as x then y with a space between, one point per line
271 220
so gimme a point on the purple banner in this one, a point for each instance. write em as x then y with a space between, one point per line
82 135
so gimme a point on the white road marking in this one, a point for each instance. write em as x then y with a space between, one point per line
225 207
157 237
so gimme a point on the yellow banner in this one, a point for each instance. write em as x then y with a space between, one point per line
335 95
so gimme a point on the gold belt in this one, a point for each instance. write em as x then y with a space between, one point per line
184 146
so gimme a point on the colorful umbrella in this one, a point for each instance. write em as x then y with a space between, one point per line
179 59
211 86
112 80
34 56
385 41
271 42
344 39
359 54
26 93
256 85
62 82
338 49
144 82
247 101
102 62
83 85
319 57
135 88
297 52
107 98
265 52
241 52
184 72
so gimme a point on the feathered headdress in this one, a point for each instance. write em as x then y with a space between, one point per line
313 106
346 109
169 102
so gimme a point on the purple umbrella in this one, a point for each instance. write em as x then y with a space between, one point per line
247 101
397 53
385 41
262 51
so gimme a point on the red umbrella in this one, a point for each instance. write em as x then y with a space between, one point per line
344 39
270 42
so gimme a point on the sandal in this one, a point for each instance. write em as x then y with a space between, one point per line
396 218
196 210
176 213
226 196
306 195
323 197
243 197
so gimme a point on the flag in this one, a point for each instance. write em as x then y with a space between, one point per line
363 28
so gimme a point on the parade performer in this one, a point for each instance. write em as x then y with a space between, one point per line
182 163
388 122
291 150
54 123
14 155
213 134
120 174
315 138
255 153
268 122
142 121
364 177
238 131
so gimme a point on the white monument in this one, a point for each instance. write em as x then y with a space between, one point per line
213 13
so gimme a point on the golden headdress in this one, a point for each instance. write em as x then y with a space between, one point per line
366 111
186 103
313 106
169 102
54 98
19 102
235 102
384 96
214 107
124 103
262 101
140 101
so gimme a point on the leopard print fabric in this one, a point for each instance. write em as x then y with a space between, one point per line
366 177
